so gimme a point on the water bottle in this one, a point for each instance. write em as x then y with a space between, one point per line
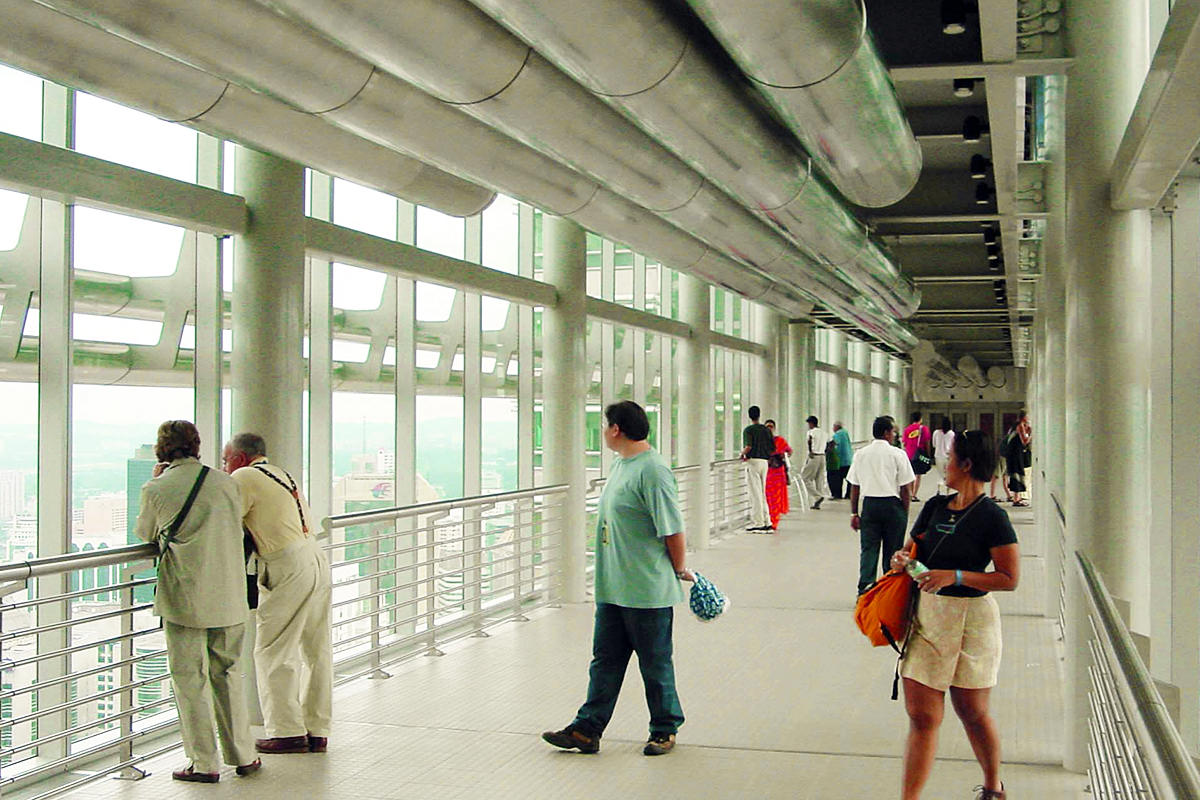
915 568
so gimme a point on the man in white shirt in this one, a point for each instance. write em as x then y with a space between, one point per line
881 477
813 471
292 648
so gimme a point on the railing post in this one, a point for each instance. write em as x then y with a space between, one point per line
125 702
473 566
375 605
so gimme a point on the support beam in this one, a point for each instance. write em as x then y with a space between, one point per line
55 173
697 419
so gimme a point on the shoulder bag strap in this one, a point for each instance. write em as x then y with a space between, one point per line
183 512
292 490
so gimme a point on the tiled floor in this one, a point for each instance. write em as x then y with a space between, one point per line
784 699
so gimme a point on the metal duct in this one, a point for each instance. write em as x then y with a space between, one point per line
402 117
694 108
815 60
70 52
969 367
462 57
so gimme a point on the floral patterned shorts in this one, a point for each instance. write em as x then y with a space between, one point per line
956 642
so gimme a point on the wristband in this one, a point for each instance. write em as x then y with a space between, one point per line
679 573
958 577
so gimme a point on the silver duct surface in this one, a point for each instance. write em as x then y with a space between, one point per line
64 50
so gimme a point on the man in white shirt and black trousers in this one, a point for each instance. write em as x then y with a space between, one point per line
881 477
813 471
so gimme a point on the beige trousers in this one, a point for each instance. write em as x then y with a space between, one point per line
204 662
813 475
293 653
756 486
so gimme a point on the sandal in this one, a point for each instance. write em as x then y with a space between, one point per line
1020 504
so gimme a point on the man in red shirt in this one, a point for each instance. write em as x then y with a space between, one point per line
916 442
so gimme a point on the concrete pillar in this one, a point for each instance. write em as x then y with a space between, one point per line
697 419
801 344
267 364
564 382
1050 442
1108 348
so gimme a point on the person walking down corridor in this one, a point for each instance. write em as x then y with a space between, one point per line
943 441
778 502
758 443
813 471
955 642
916 446
194 513
880 480
640 561
845 457
292 648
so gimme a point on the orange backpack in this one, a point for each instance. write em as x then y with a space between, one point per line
883 610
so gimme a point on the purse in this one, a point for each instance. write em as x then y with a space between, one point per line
921 463
775 460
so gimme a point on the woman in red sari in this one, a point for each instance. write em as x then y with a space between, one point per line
777 478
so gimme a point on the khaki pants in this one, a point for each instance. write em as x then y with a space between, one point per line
293 652
204 661
756 486
813 475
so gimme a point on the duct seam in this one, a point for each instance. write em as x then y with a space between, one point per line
686 45
699 186
211 106
349 99
498 92
862 37
595 191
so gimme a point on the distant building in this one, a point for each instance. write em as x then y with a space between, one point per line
137 471
107 515
22 537
12 493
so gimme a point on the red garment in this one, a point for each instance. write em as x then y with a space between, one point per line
777 485
916 439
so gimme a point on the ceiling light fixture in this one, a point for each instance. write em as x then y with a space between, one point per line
972 129
964 87
983 193
989 235
979 166
993 252
954 17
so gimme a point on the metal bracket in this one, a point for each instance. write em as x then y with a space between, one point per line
378 675
131 774
13 587
1170 200
433 651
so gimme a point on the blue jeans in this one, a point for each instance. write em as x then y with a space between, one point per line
618 633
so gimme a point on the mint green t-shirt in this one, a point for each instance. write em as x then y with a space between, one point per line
638 508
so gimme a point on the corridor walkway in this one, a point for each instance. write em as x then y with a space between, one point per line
784 699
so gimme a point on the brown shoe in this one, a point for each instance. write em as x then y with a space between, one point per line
318 744
659 744
282 744
990 794
189 774
569 738
248 769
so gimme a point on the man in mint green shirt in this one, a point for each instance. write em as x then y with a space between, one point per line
640 561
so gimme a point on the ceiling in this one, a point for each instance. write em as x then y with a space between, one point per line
970 305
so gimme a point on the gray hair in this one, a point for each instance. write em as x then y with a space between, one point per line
251 444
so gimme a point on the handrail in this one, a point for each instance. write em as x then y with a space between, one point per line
1168 765
1058 509
434 506
67 562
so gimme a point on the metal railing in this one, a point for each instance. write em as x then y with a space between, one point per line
1135 751
728 500
86 690
411 579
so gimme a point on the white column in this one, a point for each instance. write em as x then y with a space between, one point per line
1184 527
267 365
697 419
564 382
800 379
1108 348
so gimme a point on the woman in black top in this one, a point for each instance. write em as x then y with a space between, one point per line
955 643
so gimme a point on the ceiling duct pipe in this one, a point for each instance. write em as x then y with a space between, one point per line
817 64
694 108
501 81
66 51
672 91
254 46
969 367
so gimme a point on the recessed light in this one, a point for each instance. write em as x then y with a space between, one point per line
964 87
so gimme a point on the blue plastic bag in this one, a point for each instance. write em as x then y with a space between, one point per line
706 600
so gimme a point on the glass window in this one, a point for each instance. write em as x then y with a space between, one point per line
21 111
494 313
13 206
498 445
434 303
363 209
440 233
364 451
439 457
500 234
18 470
351 352
123 245
116 133
356 288
119 330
